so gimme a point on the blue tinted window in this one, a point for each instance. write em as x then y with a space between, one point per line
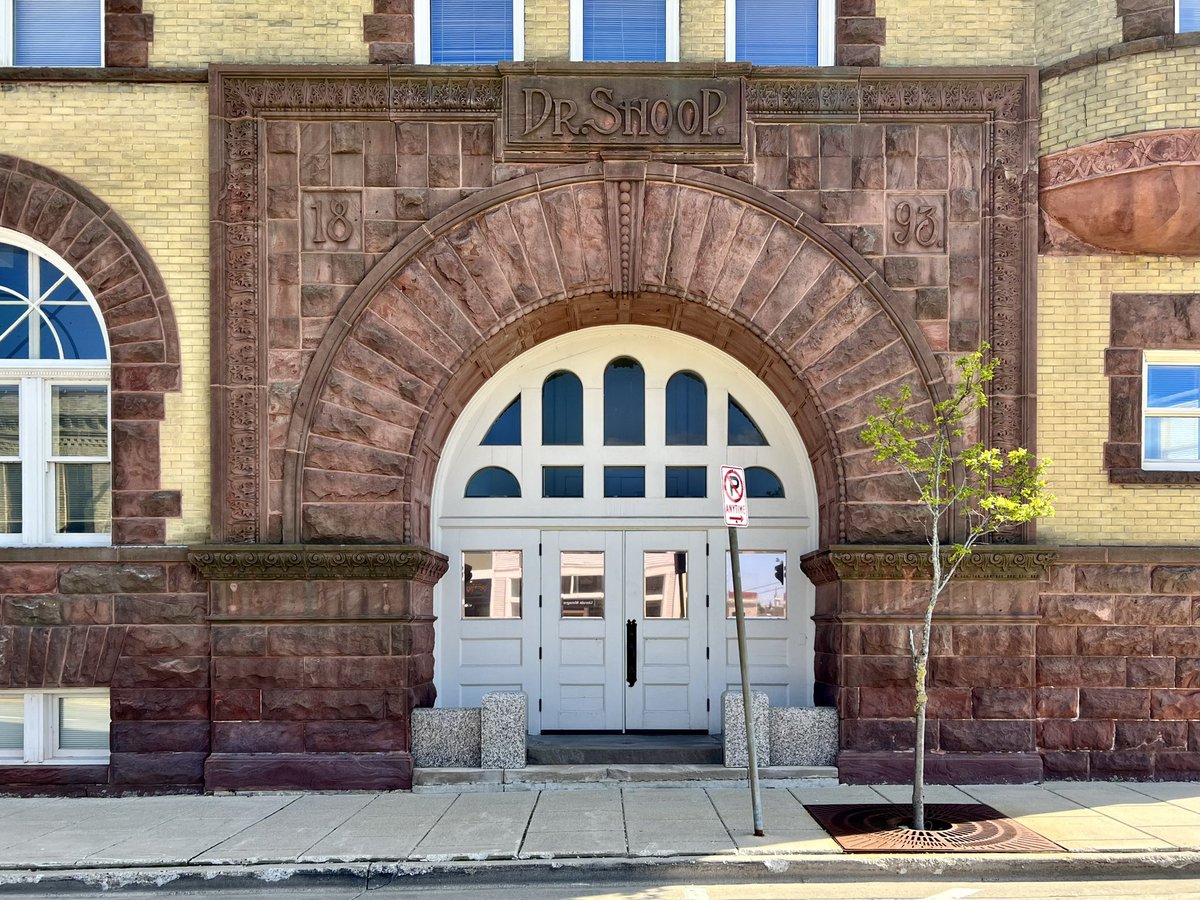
625 30
77 330
1189 15
686 481
562 409
742 430
776 32
15 343
562 481
1176 387
687 410
624 481
470 31
624 403
493 481
56 32
762 482
506 430
14 272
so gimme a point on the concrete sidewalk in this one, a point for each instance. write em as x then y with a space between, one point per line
96 840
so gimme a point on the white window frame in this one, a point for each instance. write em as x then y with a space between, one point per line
576 31
35 380
40 744
8 36
826 18
1183 359
423 40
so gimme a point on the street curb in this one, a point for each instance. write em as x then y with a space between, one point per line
294 877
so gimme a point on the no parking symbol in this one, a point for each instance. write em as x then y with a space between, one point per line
733 493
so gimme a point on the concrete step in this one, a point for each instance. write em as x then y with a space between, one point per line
622 749
583 777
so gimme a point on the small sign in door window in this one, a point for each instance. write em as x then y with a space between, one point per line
581 573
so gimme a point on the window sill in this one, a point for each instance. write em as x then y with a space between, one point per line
13 763
1152 476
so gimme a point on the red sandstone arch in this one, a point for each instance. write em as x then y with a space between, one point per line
601 243
107 255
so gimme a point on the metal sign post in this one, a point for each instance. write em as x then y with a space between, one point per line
733 491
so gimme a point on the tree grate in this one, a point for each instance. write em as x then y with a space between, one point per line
952 828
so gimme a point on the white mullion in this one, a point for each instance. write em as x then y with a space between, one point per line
575 30
672 14
35 728
730 30
826 28
518 30
421 35
7 33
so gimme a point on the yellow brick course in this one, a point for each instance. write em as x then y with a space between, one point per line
1067 28
1124 96
701 30
191 33
143 149
1073 331
958 32
547 29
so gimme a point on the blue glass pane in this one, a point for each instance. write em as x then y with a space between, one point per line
687 410
470 31
776 32
56 32
742 430
77 328
493 481
562 409
1173 439
16 344
54 285
562 481
625 30
624 403
1189 15
686 481
624 481
1175 387
762 482
14 271
506 430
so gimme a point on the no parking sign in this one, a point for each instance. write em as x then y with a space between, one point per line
733 492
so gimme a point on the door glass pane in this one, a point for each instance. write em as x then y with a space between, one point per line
664 575
83 723
82 498
581 576
80 420
491 584
12 722
764 583
624 481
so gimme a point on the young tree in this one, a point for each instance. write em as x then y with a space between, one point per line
989 489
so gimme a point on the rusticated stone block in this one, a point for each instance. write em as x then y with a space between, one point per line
160 609
1074 671
993 640
1187 673
1085 734
974 671
166 640
237 705
1122 764
1168 735
803 736
1057 640
982 736
1176 641
155 769
1112 579
861 30
1067 766
876 671
28 578
159 672
1072 609
1152 611
309 771
1114 703
1175 704
357 737
57 609
126 578
1175 579
142 704
1153 672
855 767
258 737
733 724
322 705
1002 703
328 640
154 737
503 726
1057 703
1148 23
239 640
1115 641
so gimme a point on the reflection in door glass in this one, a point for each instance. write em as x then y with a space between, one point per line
764 583
664 574
581 574
491 584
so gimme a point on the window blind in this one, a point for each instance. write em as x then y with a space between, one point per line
777 32
1189 15
468 32
625 30
57 32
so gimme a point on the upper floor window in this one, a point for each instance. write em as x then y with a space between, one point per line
55 453
1171 406
468 32
780 32
625 30
51 32
1187 15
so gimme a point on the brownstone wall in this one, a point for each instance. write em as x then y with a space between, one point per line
128 32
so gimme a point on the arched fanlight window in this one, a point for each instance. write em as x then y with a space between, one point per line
762 483
493 481
743 432
624 403
687 410
506 429
55 460
562 409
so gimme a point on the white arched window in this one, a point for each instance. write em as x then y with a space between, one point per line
55 441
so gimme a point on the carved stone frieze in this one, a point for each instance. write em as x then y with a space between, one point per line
365 92
299 562
1124 154
908 562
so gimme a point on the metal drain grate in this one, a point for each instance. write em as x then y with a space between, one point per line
958 828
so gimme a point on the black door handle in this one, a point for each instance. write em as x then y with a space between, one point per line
631 651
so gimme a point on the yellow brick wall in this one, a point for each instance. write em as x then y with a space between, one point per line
1124 96
1073 330
547 29
958 32
701 30
1066 28
194 33
143 149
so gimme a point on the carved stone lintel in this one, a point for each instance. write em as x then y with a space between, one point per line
301 562
906 562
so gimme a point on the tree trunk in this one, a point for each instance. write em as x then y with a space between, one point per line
918 794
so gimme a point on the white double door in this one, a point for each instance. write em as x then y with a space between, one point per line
624 631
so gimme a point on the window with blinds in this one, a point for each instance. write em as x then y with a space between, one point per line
55 727
777 32
470 32
55 33
625 30
1188 12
